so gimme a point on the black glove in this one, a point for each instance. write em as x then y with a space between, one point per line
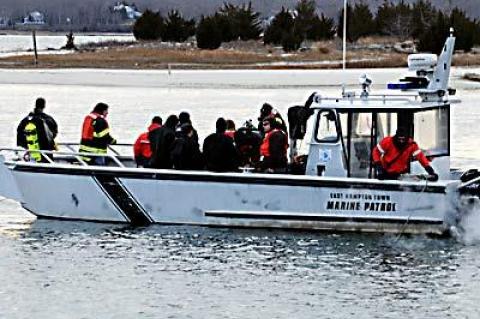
379 170
433 176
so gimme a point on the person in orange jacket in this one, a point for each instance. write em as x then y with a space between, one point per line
141 149
96 135
393 154
274 147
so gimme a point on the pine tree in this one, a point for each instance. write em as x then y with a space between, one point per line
394 20
361 22
244 22
323 28
309 25
282 23
423 15
149 26
291 41
178 29
464 29
208 34
305 18
433 37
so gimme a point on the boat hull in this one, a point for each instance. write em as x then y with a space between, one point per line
140 197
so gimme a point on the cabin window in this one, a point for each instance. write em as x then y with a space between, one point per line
327 126
386 125
431 131
360 144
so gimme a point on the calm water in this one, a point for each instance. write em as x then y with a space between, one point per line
54 269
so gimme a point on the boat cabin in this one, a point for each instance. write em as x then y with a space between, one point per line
347 129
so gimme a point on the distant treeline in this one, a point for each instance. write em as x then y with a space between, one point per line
419 21
238 22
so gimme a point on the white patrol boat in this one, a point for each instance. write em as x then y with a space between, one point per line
334 189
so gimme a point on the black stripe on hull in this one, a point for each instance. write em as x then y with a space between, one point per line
317 218
123 200
234 179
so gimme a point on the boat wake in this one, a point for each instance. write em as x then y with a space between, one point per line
468 229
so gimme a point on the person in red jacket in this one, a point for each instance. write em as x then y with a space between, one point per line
393 154
141 149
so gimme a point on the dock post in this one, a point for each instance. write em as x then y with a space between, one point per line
35 46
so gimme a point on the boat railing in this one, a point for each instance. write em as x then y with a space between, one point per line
384 98
70 155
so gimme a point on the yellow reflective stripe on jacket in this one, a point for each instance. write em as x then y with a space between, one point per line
32 141
102 133
94 150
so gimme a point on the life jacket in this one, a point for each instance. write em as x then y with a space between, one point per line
142 144
88 129
394 160
265 147
31 136
93 142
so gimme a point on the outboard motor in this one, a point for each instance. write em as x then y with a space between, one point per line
471 181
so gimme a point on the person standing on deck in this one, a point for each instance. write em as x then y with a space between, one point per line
184 118
141 149
185 154
219 151
274 147
96 135
392 156
266 112
37 131
161 142
230 131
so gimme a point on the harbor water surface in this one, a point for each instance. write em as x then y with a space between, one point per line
52 269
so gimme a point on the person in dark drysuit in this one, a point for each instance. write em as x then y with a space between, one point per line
219 150
185 153
248 141
184 118
161 143
37 131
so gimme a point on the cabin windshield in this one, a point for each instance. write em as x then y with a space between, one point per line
359 131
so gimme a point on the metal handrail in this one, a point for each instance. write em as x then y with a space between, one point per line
77 155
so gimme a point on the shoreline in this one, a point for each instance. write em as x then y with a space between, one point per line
370 53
